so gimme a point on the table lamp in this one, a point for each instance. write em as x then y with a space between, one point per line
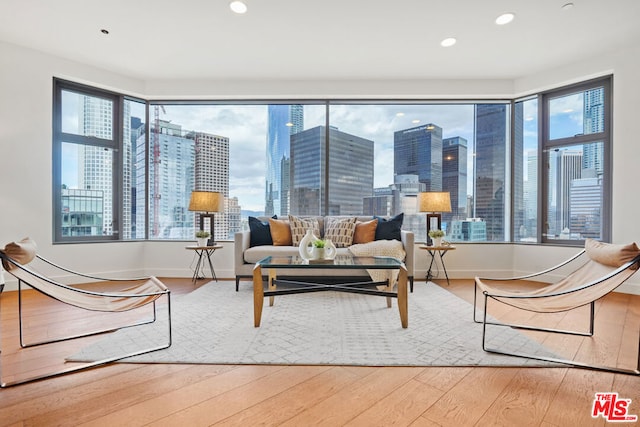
206 202
434 202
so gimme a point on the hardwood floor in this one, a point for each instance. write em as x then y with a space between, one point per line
230 395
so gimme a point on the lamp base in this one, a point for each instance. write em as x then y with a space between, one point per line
211 242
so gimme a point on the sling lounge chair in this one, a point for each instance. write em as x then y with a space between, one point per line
607 266
138 293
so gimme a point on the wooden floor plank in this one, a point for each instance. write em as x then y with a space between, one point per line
401 407
295 400
526 398
467 401
346 405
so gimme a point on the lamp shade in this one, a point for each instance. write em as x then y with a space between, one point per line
434 201
206 201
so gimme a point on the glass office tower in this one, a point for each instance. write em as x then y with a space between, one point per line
283 121
350 178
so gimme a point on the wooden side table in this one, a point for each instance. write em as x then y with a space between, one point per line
441 251
202 252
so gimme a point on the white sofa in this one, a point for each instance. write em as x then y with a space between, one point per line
245 256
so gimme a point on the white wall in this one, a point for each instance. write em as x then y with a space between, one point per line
25 163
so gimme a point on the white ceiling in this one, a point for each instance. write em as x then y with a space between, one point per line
321 39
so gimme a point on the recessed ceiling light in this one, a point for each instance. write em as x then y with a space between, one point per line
400 114
289 124
505 18
430 127
448 42
238 6
415 121
567 6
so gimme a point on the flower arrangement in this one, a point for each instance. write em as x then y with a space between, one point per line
320 244
202 234
434 234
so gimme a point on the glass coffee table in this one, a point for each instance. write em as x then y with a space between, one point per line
308 284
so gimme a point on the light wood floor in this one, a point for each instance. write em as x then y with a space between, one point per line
188 395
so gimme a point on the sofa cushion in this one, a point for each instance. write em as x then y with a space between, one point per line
340 231
299 227
365 231
260 232
280 232
389 229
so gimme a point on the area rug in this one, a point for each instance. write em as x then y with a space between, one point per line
214 325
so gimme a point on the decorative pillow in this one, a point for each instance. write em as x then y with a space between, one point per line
260 232
389 229
280 232
340 231
23 252
365 232
299 227
610 254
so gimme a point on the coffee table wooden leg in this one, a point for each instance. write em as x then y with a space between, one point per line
272 286
403 297
258 295
389 287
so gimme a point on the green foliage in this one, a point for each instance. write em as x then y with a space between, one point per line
436 233
201 234
319 243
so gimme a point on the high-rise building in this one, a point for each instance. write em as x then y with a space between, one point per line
586 208
531 197
564 167
490 168
171 179
418 151
350 177
95 164
211 173
593 116
283 121
454 176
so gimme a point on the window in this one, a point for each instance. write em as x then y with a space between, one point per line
93 164
528 170
576 151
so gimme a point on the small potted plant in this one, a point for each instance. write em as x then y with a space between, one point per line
318 248
436 236
202 237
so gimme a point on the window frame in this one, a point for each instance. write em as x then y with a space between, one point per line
115 144
546 144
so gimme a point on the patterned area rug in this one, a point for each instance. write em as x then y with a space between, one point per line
214 324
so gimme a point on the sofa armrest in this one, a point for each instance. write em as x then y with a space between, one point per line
241 241
408 240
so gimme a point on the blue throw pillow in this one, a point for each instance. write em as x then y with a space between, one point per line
389 229
260 232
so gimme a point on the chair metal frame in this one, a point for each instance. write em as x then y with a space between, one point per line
24 344
495 296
